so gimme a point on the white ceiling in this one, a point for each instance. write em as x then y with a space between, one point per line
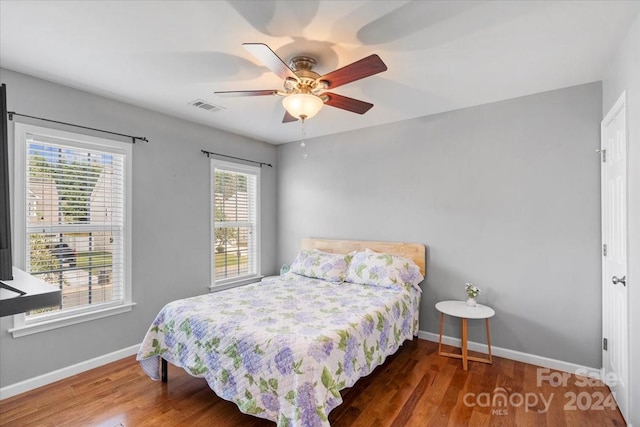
440 55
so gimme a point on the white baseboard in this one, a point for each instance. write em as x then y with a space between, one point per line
532 359
50 377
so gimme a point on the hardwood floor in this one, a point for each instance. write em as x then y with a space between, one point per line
415 387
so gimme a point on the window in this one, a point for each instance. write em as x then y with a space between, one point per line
72 217
235 207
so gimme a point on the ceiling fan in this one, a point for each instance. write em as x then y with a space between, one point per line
305 91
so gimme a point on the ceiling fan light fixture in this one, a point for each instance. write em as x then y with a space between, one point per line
302 105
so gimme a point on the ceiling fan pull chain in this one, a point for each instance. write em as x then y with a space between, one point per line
302 143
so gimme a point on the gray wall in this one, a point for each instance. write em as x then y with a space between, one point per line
170 220
505 195
623 74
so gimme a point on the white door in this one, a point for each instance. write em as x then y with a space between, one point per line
615 326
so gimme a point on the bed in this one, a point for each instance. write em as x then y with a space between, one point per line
283 348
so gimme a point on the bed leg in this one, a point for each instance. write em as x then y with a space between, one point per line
164 370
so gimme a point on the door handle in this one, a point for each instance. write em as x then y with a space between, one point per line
622 280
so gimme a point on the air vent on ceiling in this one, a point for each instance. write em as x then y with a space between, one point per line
204 105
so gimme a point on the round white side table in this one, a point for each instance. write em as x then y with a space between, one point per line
463 311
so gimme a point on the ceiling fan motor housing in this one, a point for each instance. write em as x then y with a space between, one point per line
302 66
300 63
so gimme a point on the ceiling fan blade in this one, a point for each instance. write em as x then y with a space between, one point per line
230 93
288 117
346 103
269 58
358 70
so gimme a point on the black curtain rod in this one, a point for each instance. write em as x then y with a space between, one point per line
133 138
208 153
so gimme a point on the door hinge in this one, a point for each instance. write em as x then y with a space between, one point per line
604 344
604 249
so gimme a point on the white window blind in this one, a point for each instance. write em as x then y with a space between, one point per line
75 209
235 222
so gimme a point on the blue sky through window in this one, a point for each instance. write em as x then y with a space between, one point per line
53 154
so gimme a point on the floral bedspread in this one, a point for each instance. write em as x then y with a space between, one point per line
281 349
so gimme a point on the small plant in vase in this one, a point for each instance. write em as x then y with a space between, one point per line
472 293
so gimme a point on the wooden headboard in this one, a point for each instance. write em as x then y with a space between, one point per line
413 251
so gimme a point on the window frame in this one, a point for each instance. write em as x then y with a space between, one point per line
221 165
23 325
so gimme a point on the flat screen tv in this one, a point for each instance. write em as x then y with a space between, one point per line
5 208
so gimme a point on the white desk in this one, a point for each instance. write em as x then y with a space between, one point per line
463 311
37 294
